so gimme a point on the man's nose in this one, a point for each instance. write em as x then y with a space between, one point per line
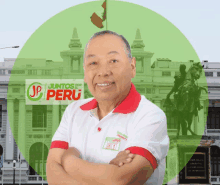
104 70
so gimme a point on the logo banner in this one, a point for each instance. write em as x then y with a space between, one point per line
53 91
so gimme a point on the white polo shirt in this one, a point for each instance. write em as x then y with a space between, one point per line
136 124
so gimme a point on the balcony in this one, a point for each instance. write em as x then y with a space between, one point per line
215 179
30 179
36 179
213 131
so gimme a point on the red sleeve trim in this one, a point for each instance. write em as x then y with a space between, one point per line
59 144
145 153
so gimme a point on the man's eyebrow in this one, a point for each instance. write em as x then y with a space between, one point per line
111 52
90 55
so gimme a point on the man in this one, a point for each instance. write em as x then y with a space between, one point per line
178 79
96 131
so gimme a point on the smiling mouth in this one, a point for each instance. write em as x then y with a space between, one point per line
105 84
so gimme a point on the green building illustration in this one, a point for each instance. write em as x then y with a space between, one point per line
38 123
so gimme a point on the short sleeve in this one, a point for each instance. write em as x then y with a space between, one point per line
148 137
60 138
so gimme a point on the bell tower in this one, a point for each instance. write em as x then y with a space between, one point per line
143 60
73 58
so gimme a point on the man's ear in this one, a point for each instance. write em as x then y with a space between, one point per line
133 66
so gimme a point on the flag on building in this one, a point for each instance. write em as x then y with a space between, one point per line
97 20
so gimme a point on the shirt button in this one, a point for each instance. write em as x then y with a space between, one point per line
99 129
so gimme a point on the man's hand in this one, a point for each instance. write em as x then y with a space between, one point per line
122 158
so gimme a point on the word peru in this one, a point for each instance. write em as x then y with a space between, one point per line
63 94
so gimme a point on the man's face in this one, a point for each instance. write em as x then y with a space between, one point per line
108 71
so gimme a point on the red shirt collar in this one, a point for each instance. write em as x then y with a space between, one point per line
128 105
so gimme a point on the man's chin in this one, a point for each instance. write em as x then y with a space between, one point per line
105 98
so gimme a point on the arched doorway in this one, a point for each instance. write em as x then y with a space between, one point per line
215 160
37 159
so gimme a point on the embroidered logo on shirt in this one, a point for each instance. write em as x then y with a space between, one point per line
123 136
112 143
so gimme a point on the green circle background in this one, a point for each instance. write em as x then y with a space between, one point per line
159 36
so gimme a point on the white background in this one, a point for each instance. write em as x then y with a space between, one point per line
198 20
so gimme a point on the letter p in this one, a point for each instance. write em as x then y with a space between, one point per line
50 93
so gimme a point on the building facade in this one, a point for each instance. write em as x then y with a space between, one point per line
154 80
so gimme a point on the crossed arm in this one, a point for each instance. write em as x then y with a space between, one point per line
70 169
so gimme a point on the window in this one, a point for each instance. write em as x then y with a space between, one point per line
46 72
2 71
18 72
215 161
39 116
9 71
166 73
75 64
141 90
16 90
213 179
208 73
148 91
32 72
218 73
213 119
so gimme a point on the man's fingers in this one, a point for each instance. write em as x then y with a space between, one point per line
120 164
122 158
131 155
125 161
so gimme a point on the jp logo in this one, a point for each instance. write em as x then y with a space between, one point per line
34 91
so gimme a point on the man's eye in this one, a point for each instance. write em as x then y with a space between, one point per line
114 61
92 63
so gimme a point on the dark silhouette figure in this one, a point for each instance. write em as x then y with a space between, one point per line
186 97
178 80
